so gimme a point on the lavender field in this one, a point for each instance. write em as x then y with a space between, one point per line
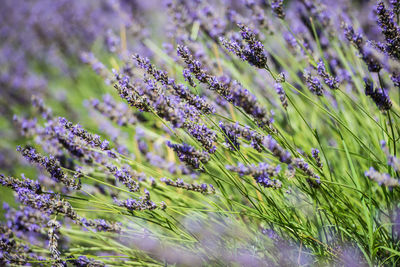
200 133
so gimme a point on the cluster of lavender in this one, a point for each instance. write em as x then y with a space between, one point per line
78 131
85 169
45 32
357 41
179 89
202 188
332 82
253 52
26 219
30 193
313 83
54 227
263 173
124 176
231 91
390 31
315 155
189 154
51 165
147 96
117 112
14 252
143 203
233 131
285 156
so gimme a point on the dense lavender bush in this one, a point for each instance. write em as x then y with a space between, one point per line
230 133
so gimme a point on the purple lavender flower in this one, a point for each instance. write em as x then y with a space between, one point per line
395 5
101 225
78 131
234 131
13 251
283 155
231 90
202 134
393 161
189 154
302 165
315 155
263 173
180 90
179 183
378 95
53 242
231 137
15 184
25 220
382 178
83 261
143 203
51 165
332 82
396 79
356 39
124 176
118 113
313 83
48 203
253 52
38 103
277 8
282 95
389 29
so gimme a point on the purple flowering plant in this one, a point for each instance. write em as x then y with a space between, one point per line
200 133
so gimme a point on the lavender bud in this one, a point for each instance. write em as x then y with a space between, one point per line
282 95
378 95
315 155
78 131
179 183
263 173
332 82
51 165
53 243
389 29
277 8
313 84
189 154
143 203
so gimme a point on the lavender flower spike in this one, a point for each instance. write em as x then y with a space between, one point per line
277 8
189 154
390 30
378 95
51 165
382 178
282 95
253 52
393 161
77 130
332 82
178 89
53 243
263 173
179 183
313 84
315 155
